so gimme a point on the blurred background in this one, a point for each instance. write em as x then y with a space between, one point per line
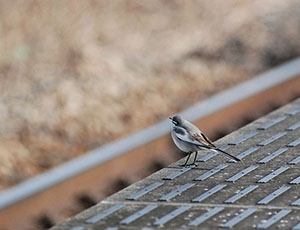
77 74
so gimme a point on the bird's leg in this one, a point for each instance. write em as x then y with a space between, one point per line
196 153
187 160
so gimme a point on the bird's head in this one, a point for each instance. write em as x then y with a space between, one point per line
176 120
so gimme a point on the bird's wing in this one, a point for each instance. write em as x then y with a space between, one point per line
197 135
182 134
203 139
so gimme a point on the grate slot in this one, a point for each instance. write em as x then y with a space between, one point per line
139 214
241 194
294 143
145 191
178 173
296 202
296 227
294 161
274 219
273 155
208 193
205 216
295 181
211 154
172 215
235 220
272 123
270 176
176 192
211 172
293 127
272 139
77 228
104 214
245 153
273 195
293 112
243 138
242 173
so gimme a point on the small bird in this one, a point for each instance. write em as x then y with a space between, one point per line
188 138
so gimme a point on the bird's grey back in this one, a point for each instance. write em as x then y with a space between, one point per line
191 127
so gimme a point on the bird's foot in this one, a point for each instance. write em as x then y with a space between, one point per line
193 164
188 165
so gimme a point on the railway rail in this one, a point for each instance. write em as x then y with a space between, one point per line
42 201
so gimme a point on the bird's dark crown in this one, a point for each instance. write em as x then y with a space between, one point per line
176 120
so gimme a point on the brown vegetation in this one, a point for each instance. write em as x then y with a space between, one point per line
77 74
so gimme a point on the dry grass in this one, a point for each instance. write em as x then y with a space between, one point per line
77 74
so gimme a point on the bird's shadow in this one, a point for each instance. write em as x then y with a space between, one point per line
188 166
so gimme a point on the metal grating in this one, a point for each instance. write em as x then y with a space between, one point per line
235 220
296 227
209 193
274 195
241 194
176 192
177 173
294 126
295 181
205 216
145 191
272 123
242 173
294 161
171 215
296 202
211 172
294 143
139 214
293 112
77 228
274 174
104 214
272 139
243 138
259 192
273 155
274 219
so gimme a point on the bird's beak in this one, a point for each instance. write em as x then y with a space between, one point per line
170 118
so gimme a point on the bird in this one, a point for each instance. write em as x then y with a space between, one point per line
189 139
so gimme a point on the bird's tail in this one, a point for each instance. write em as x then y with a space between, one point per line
229 155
